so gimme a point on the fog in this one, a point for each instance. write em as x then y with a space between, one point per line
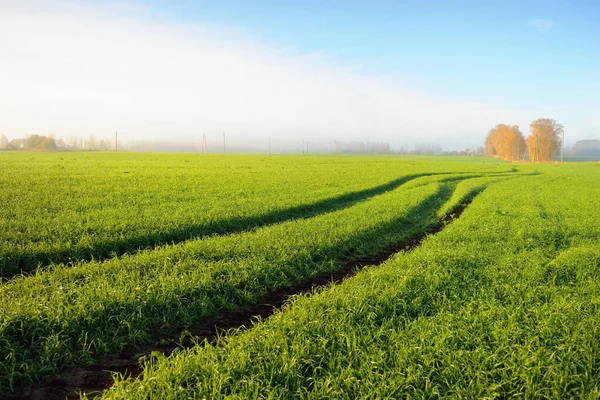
88 69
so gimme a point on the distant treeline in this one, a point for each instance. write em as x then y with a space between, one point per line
51 142
586 148
503 141
32 142
424 149
356 147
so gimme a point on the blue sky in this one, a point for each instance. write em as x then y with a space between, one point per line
513 51
399 71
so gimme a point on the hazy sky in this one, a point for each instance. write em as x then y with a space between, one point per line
397 71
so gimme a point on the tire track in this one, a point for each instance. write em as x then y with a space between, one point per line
93 379
25 261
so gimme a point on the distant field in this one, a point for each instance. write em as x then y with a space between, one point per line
108 254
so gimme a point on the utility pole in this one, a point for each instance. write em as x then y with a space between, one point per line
116 142
302 146
269 146
223 142
204 144
562 152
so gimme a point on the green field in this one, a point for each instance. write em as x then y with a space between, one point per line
104 254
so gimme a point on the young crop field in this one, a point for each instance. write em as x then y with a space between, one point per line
193 276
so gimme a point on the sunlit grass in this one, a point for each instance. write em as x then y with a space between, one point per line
62 207
71 314
502 303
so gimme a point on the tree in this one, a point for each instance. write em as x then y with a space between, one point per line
586 148
505 141
3 142
91 143
47 144
40 143
33 141
545 139
489 145
514 143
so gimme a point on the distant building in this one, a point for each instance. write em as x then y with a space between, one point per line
17 144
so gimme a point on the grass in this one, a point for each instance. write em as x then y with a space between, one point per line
68 207
72 314
503 303
102 252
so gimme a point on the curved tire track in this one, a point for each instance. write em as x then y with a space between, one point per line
93 379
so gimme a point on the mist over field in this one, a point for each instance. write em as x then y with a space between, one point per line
83 68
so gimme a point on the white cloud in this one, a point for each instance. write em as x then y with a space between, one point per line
542 25
86 69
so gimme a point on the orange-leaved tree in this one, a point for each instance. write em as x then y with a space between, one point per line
545 139
505 141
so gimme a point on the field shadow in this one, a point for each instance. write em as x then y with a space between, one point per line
236 303
25 261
